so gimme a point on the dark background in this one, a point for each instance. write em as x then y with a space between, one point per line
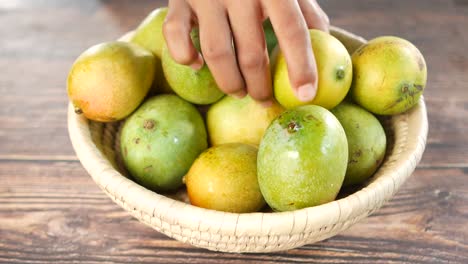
51 210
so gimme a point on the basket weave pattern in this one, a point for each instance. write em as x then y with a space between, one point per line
97 146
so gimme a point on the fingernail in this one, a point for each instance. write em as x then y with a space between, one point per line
198 64
306 92
239 94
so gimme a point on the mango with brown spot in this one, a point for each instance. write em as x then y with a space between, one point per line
161 140
366 141
389 75
302 159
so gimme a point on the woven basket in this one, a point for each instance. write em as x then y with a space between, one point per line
97 147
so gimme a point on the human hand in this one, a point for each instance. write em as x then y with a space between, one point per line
223 23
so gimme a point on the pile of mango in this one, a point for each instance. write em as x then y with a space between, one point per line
237 155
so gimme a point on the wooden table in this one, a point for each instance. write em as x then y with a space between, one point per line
51 210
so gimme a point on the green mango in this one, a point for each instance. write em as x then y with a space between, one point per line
390 75
366 141
160 141
149 35
196 86
302 159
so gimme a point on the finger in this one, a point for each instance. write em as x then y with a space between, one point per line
176 29
324 16
314 15
216 45
252 54
293 37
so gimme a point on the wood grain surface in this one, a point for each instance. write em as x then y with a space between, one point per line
52 212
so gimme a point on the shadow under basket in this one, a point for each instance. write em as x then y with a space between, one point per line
97 147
